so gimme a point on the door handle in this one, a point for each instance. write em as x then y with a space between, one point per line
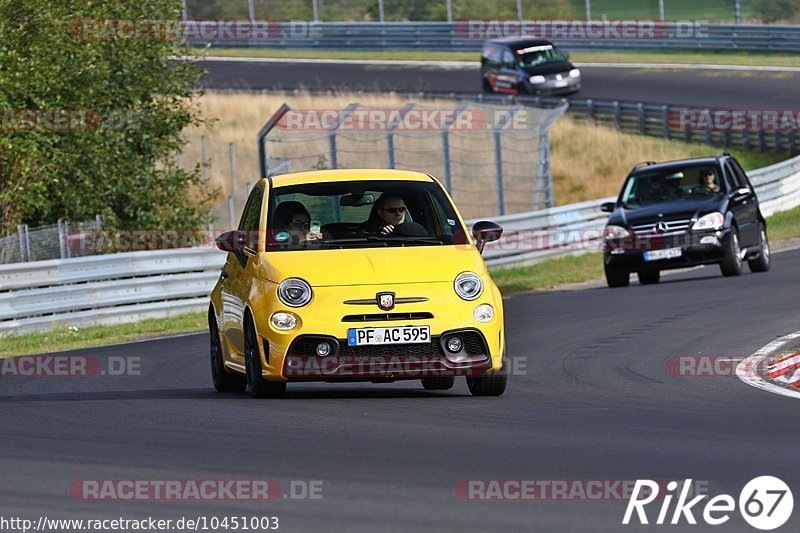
224 274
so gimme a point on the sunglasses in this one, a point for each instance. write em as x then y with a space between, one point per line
300 223
395 210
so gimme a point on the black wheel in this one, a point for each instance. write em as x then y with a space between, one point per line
438 383
731 264
487 87
223 381
763 261
259 387
490 384
649 277
615 278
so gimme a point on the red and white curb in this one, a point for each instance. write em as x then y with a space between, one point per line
781 377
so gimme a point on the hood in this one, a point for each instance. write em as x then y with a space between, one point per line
680 210
371 266
552 67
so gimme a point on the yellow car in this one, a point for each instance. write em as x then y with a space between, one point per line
355 275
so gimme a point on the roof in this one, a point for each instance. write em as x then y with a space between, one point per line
666 165
520 41
349 174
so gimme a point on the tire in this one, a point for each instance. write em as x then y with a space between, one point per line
259 387
438 383
731 264
493 384
223 381
764 259
649 277
487 87
615 278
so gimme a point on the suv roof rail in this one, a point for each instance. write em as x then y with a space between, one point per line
723 154
643 164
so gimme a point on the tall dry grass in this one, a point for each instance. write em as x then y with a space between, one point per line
589 161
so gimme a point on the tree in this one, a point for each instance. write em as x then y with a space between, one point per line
91 119
775 10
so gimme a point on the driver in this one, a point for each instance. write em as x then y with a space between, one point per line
390 217
708 182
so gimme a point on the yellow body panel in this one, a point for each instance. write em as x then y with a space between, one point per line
340 275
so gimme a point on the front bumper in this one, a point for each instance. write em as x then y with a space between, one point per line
630 256
551 86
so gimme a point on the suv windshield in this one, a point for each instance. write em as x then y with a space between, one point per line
673 184
534 56
358 214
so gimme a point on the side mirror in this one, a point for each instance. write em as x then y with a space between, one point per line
607 207
231 241
740 194
486 231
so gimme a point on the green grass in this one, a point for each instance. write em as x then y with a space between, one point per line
687 57
752 160
72 338
550 273
710 10
785 225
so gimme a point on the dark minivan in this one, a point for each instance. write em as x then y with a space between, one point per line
681 214
516 65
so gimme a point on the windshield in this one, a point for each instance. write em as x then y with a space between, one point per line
359 214
533 56
688 183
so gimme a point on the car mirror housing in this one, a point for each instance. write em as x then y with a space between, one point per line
231 241
486 231
607 207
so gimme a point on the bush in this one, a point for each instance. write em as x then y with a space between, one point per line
775 10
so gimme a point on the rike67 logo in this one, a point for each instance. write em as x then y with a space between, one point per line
765 503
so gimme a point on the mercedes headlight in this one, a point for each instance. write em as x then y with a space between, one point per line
468 285
537 79
575 73
615 233
710 221
294 292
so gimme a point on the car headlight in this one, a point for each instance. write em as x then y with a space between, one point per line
283 321
612 233
483 313
575 73
537 79
294 292
710 221
468 285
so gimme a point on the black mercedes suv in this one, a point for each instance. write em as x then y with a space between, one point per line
681 214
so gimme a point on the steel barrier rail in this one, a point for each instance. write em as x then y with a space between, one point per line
460 36
125 287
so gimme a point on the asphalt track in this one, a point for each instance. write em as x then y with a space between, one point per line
722 88
593 401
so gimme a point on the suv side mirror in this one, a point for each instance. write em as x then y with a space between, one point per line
486 231
607 207
740 194
231 241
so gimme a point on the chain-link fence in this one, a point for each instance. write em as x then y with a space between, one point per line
57 241
493 160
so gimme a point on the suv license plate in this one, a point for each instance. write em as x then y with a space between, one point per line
669 253
394 335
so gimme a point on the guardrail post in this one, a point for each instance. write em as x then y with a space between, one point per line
778 141
24 245
617 115
727 138
709 137
590 108
665 121
746 139
204 152
231 201
640 116
762 141
498 167
332 150
390 148
62 240
792 143
687 135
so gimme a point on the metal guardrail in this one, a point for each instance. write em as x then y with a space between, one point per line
460 36
115 288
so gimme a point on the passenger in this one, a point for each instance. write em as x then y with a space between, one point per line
390 217
292 217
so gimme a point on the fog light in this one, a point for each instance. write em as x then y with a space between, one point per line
454 344
323 349
617 251
283 321
709 240
483 313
